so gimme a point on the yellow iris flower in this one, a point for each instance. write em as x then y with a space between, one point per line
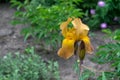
79 32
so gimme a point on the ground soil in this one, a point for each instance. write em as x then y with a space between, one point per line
12 41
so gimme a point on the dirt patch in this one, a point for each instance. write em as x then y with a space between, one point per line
12 41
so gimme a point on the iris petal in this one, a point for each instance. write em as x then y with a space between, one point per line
67 49
64 25
81 29
88 46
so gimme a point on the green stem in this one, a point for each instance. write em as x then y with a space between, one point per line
79 71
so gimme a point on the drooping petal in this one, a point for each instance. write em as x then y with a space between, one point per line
67 49
64 25
88 46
